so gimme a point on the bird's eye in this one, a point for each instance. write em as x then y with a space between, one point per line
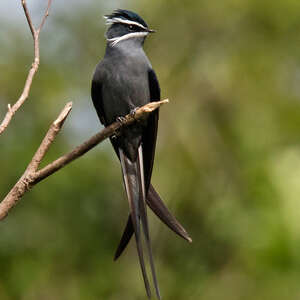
131 27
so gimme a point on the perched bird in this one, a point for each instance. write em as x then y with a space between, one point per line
124 80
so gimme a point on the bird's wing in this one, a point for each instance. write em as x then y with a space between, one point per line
96 92
150 132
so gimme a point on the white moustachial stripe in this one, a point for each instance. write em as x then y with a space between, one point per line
116 40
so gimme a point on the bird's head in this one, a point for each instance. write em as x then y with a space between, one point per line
126 25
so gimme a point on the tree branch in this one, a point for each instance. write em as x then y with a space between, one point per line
34 67
32 175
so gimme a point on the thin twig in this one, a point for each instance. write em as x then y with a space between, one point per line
34 67
49 138
32 176
44 17
28 17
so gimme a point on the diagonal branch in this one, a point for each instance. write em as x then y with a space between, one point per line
32 175
34 67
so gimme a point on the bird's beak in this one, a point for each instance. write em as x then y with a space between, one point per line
151 31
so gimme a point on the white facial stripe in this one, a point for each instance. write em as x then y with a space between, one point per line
120 20
116 40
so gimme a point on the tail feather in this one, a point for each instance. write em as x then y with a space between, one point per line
133 191
144 219
159 208
127 234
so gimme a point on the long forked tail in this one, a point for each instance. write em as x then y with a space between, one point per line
159 208
133 175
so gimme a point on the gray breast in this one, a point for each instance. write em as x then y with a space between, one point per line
125 84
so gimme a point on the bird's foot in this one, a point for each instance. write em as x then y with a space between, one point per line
133 111
121 120
114 136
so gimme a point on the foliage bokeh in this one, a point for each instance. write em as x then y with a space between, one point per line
227 162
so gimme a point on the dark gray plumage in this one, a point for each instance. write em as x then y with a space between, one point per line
122 81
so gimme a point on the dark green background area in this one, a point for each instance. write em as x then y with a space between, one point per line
227 161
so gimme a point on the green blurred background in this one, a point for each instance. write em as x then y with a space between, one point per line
227 161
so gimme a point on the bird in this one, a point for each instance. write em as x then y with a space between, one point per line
123 81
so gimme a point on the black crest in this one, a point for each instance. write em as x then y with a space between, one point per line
126 15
